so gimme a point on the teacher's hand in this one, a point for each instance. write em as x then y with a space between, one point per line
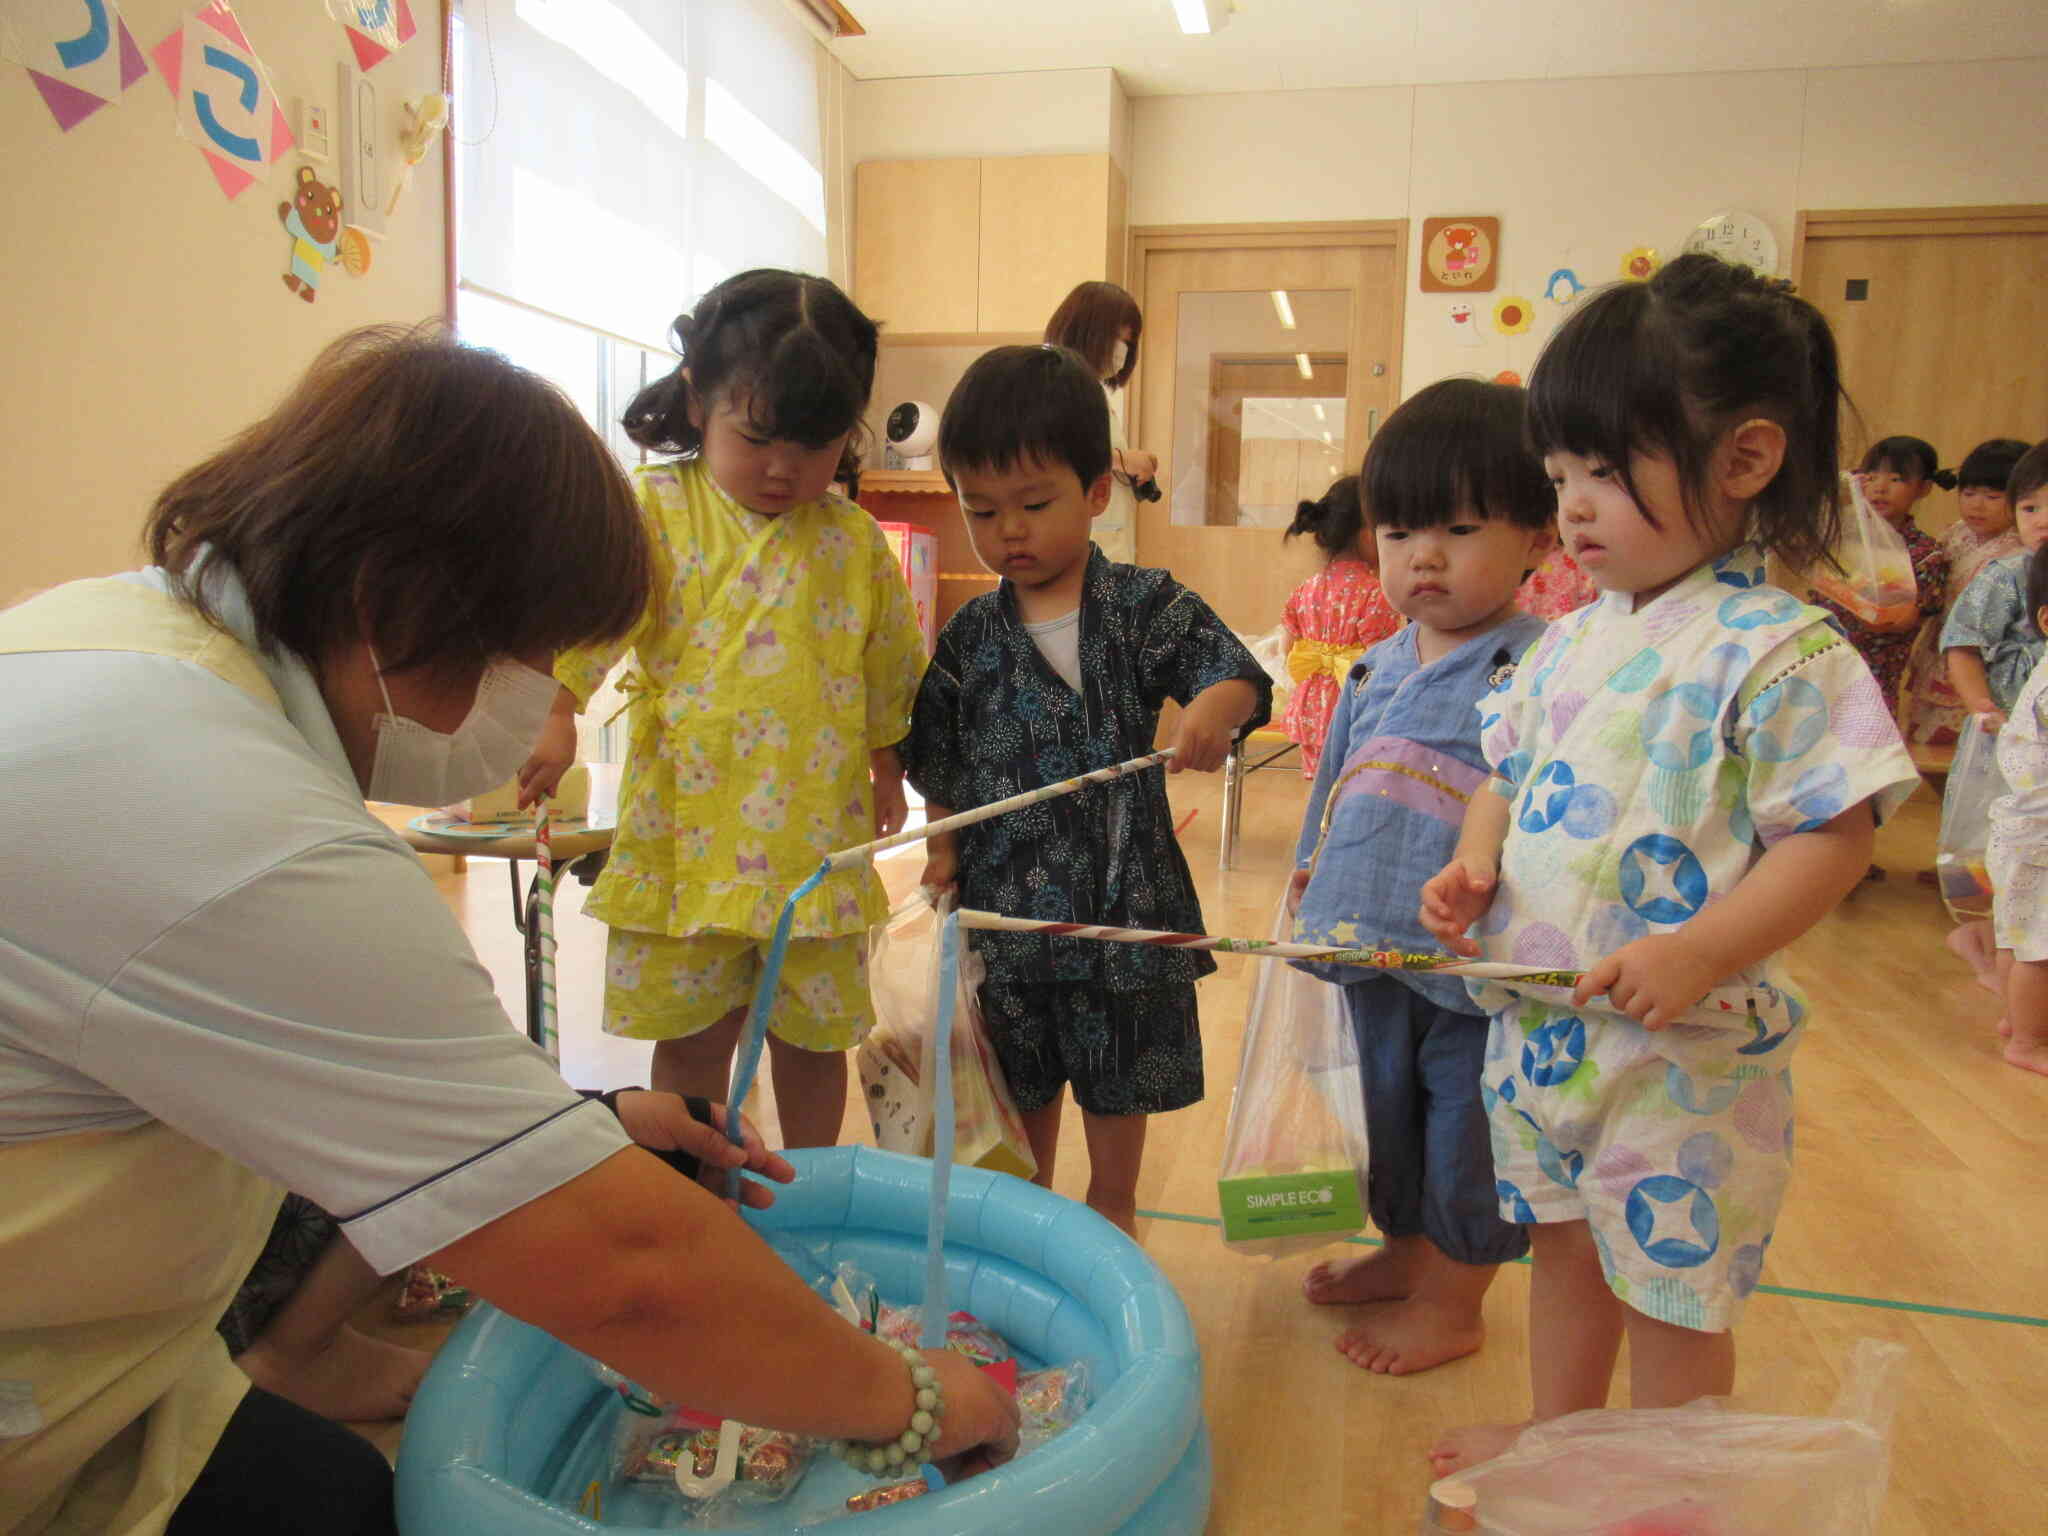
661 1122
978 1425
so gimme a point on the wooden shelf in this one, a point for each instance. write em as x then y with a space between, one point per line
917 481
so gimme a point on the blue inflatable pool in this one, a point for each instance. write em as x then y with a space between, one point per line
510 1426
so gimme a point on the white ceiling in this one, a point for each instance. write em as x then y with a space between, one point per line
1271 45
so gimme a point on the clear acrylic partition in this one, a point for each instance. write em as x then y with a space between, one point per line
1258 404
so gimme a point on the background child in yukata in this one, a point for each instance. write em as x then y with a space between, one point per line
1687 775
1333 616
1981 533
1992 644
1062 669
1990 641
1460 513
775 669
1896 475
2019 855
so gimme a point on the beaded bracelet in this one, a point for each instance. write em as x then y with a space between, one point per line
880 1460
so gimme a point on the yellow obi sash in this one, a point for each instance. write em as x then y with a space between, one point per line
1307 658
119 1250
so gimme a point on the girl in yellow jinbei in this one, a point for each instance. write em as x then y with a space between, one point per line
775 670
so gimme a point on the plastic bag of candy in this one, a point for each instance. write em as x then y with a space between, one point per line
1872 572
1701 1470
1960 859
1293 1174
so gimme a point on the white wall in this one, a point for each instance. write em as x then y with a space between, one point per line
1052 112
1581 170
146 315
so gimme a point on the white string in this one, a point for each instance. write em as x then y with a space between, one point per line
490 53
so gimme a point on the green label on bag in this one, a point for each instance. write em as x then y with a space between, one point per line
1290 1204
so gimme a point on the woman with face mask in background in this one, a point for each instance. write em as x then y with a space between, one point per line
1103 323
221 977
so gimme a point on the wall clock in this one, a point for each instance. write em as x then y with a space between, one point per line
1742 239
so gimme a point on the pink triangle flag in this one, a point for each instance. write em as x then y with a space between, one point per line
369 51
221 17
133 65
170 59
67 103
232 178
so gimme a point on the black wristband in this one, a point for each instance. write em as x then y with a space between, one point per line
683 1162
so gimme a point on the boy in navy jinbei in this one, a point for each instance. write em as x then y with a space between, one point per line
1062 669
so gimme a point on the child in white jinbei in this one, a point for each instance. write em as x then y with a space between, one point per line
1687 775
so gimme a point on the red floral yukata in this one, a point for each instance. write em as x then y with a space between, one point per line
1330 619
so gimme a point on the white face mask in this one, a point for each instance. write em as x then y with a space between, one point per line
417 765
1120 355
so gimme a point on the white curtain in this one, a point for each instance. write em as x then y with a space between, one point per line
618 157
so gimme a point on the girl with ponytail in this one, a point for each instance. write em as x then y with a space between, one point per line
774 670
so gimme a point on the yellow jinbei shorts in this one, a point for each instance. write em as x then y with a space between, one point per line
659 988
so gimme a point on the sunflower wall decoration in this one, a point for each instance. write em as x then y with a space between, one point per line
1513 315
1640 264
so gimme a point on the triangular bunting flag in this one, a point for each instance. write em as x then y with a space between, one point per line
67 103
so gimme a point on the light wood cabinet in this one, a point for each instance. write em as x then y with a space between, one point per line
978 247
917 243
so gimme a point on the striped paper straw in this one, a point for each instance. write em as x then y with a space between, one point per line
1275 949
846 856
544 861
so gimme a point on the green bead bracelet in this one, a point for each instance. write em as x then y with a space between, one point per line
883 1458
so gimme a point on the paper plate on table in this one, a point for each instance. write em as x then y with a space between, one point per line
441 824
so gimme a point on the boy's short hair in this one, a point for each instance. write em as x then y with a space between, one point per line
1018 403
1457 443
2037 586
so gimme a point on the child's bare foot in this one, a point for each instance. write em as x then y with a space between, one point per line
1971 944
2004 1027
1399 1338
1387 1275
1470 1445
355 1378
2031 1055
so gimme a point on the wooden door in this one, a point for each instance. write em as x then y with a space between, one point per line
1246 572
1941 320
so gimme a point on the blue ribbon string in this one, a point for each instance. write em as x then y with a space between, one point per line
754 1033
932 1329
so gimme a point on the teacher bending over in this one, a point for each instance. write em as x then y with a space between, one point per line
221 977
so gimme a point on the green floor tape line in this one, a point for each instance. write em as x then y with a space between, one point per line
1925 1309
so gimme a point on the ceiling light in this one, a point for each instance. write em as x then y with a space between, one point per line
1321 414
1301 362
1283 309
1198 16
1326 439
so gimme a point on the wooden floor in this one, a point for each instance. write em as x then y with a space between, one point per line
1916 1216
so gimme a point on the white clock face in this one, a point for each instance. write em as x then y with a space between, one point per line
1741 238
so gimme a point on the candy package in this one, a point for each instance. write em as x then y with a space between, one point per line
965 1333
1872 572
429 1297
1049 1401
678 1444
1959 862
1294 1151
